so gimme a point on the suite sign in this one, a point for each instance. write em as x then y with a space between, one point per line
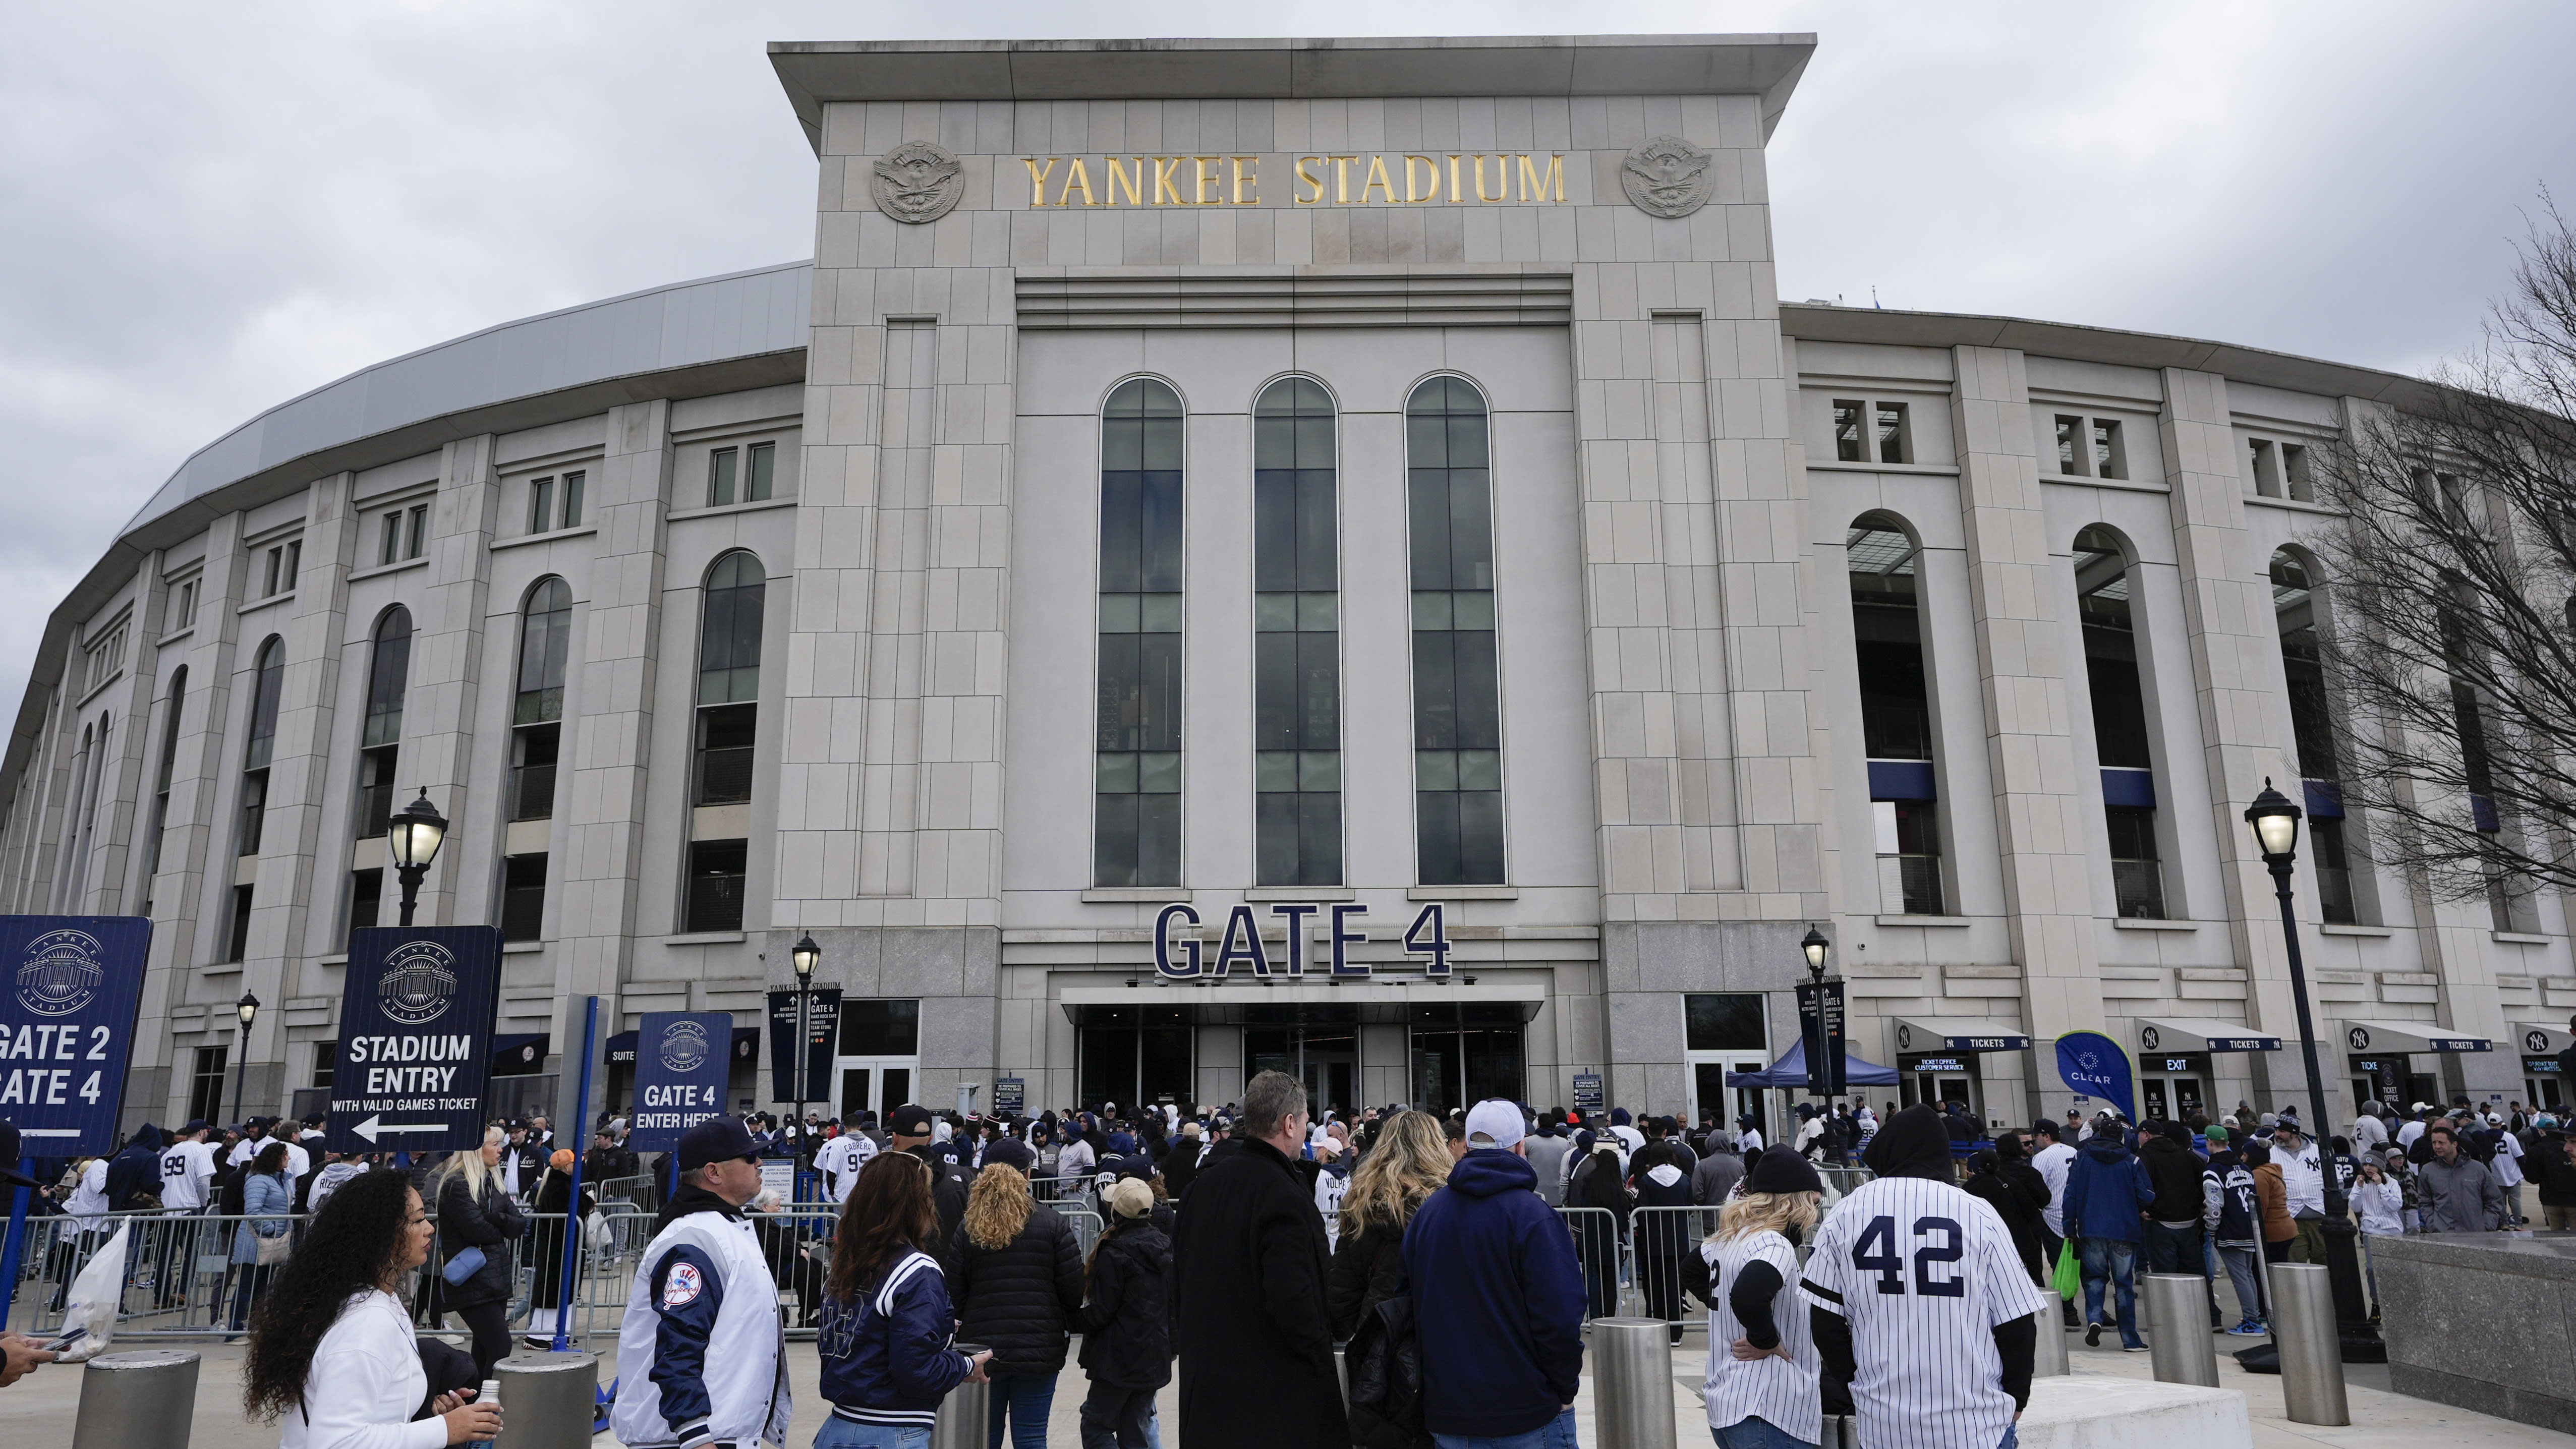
1180 953
1369 178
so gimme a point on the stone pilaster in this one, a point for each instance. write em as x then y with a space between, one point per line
447 659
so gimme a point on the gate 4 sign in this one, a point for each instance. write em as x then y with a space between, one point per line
415 1038
67 1005
681 1060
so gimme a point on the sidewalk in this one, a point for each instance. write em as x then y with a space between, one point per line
41 1408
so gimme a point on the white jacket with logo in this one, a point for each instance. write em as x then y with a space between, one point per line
701 1353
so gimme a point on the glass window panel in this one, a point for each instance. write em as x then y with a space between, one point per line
1158 839
1318 717
572 491
1728 1022
764 468
1427 502
1435 817
1121 533
1119 613
1117 772
1122 445
1426 441
1159 613
1163 445
1435 691
1319 611
1158 772
1158 695
1274 612
1319 770
1480 769
1891 432
880 1029
1274 691
1314 530
1319 839
1274 770
1471 610
1117 729
1431 611
1480 837
1467 442
1479 706
1159 533
1435 769
1315 442
721 466
1471 547
540 502
1847 442
1276 847
1274 531
1274 444
1114 840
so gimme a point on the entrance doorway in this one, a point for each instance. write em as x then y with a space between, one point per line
1722 1034
879 1053
1465 1053
1133 1054
2173 1086
1938 1081
1324 1056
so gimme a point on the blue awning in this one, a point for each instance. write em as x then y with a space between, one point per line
519 1055
1791 1071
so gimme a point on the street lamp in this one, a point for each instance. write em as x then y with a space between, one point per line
1815 946
415 835
2274 819
805 955
248 1010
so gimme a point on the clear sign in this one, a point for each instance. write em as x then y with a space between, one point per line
67 1027
416 1011
681 1060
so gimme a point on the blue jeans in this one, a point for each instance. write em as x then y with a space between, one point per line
1757 1433
2116 1260
838 1433
1556 1433
1025 1400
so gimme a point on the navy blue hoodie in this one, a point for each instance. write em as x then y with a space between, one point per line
1497 1301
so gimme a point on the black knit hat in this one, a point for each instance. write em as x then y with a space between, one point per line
1783 1172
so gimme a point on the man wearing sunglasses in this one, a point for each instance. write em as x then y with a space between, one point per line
700 1358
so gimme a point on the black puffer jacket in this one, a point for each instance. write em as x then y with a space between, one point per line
491 1222
1020 1300
1127 1330
1367 1269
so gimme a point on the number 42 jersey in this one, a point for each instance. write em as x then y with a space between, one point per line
1923 1273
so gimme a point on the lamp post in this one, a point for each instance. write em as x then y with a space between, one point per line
415 835
2274 819
1815 947
248 1010
806 956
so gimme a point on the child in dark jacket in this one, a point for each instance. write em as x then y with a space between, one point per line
1127 1337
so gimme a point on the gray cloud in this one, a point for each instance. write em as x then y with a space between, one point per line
213 209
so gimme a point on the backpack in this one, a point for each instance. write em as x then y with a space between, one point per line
1384 1362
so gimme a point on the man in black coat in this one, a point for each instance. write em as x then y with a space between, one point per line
1249 1258
908 1130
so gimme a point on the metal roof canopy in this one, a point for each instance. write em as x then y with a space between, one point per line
1370 1000
1958 1034
2540 1039
2409 1036
2200 1034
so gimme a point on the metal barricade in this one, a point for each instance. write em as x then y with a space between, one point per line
621 1189
1087 1226
180 1280
1601 1250
1839 1181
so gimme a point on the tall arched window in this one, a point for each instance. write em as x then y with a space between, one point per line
2122 736
728 716
1457 694
536 743
1136 832
268 680
380 753
1296 641
2294 610
1895 713
67 865
161 781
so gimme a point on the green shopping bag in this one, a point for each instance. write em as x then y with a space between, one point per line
2069 1279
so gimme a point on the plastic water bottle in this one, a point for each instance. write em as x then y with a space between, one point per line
491 1395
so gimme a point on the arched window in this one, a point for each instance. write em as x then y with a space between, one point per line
536 713
268 677
1296 641
2294 610
1895 712
380 753
728 717
1457 694
1136 833
268 680
67 866
2122 734
161 781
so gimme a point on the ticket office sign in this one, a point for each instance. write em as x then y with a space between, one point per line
67 1009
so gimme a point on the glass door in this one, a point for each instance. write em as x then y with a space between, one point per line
879 1052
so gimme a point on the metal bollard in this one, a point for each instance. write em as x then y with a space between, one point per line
965 1412
1632 1394
2178 1332
547 1399
2303 1327
2050 1360
127 1400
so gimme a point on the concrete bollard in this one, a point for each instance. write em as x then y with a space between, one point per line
1632 1386
546 1399
2050 1361
2311 1346
2177 1330
141 1400
965 1412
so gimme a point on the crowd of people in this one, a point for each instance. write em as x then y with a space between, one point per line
1243 1248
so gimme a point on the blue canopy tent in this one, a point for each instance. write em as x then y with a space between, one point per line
1791 1072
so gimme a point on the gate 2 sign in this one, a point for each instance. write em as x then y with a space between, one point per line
67 1005
416 1015
681 1061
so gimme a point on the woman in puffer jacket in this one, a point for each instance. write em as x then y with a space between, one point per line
1018 1291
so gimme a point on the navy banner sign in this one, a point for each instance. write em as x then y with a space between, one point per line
1010 1096
822 1033
1820 1026
416 1011
67 1027
1587 1091
681 1059
2093 1065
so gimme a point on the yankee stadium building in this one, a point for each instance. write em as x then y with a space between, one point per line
1205 504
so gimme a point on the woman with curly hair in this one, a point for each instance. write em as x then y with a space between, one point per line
1018 1291
332 1346
1407 1161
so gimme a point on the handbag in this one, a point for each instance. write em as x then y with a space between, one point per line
462 1266
273 1251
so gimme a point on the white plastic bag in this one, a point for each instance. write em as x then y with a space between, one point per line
95 1297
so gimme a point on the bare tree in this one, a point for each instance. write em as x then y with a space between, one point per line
2452 656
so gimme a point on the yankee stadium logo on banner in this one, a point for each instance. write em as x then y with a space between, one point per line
418 983
684 1046
61 974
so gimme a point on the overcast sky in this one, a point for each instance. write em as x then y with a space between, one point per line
207 209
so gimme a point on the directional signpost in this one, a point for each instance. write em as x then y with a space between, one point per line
822 1030
1820 1026
681 1060
416 1017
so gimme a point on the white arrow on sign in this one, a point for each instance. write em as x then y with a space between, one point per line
373 1125
51 1132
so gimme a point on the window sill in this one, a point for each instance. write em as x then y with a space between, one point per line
756 506
377 571
521 948
2134 485
98 689
1134 895
1463 893
2518 938
340 960
1300 893
1835 465
272 601
2292 505
174 636
555 536
1921 920
704 938
221 968
2381 932
2141 923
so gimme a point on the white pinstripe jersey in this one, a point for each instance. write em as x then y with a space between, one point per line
1923 1273
1780 1392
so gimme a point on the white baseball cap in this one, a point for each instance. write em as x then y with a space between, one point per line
1495 1118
